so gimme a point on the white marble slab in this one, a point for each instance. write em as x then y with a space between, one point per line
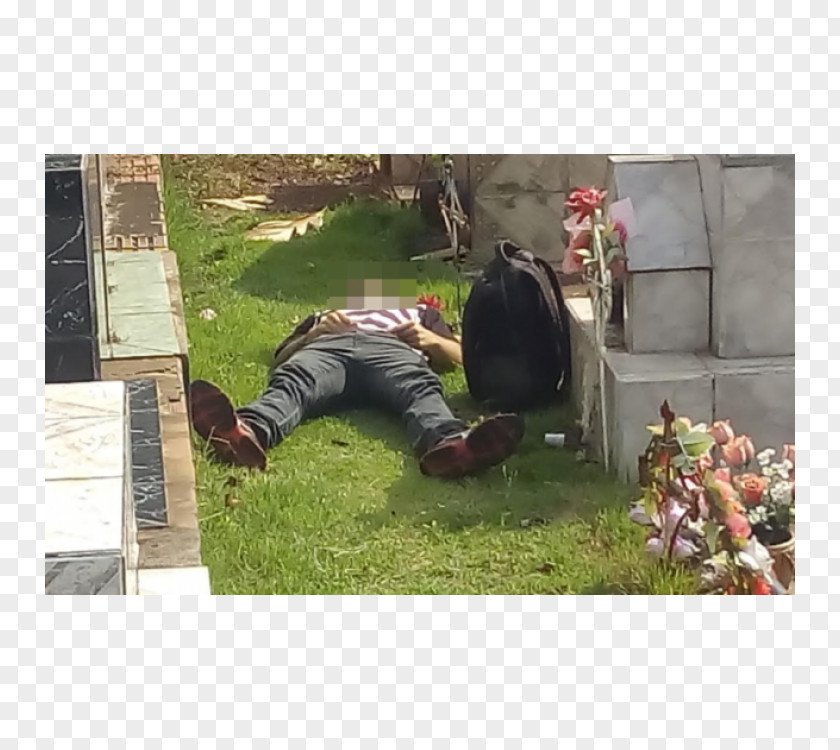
95 399
89 448
153 581
84 515
671 225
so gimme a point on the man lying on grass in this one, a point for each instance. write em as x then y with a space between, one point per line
378 352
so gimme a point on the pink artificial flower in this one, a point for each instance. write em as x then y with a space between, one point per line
721 431
789 453
580 237
723 475
622 232
622 215
738 526
738 451
752 487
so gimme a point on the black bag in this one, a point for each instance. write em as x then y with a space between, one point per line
516 332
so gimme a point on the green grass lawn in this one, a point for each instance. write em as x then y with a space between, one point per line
343 507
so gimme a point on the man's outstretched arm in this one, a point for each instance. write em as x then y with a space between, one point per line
444 353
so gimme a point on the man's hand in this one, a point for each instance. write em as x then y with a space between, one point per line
444 353
416 335
331 323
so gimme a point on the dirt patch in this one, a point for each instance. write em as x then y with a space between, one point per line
234 175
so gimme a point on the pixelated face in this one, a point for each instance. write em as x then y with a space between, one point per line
385 292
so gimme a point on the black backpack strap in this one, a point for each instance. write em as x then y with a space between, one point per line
549 286
524 261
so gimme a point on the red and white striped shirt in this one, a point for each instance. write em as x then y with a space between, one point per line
379 321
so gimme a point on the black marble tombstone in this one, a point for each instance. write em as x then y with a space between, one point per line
73 229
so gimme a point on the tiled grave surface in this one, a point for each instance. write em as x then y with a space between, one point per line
146 341
101 574
91 542
178 544
146 455
140 320
174 581
72 223
84 514
134 218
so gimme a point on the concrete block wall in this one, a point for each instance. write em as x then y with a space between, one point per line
708 300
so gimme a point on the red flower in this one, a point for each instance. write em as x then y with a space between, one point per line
760 586
738 526
738 451
752 487
721 431
431 300
585 200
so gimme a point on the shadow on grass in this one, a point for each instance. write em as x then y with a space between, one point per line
535 487
364 239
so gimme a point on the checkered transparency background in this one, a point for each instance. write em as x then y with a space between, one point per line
427 672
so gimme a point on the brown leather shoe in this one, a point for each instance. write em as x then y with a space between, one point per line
485 445
215 419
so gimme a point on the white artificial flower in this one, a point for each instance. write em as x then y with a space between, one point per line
780 470
655 546
756 557
684 549
638 515
764 457
757 515
780 493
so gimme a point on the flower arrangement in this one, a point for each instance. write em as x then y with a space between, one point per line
596 248
581 255
700 511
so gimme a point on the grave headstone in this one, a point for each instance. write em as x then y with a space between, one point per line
73 226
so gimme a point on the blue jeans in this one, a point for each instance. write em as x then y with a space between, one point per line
353 370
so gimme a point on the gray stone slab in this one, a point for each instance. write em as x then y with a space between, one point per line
667 311
136 282
84 575
758 160
634 400
585 355
652 367
141 334
531 220
753 298
759 203
758 397
588 170
666 197
509 174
